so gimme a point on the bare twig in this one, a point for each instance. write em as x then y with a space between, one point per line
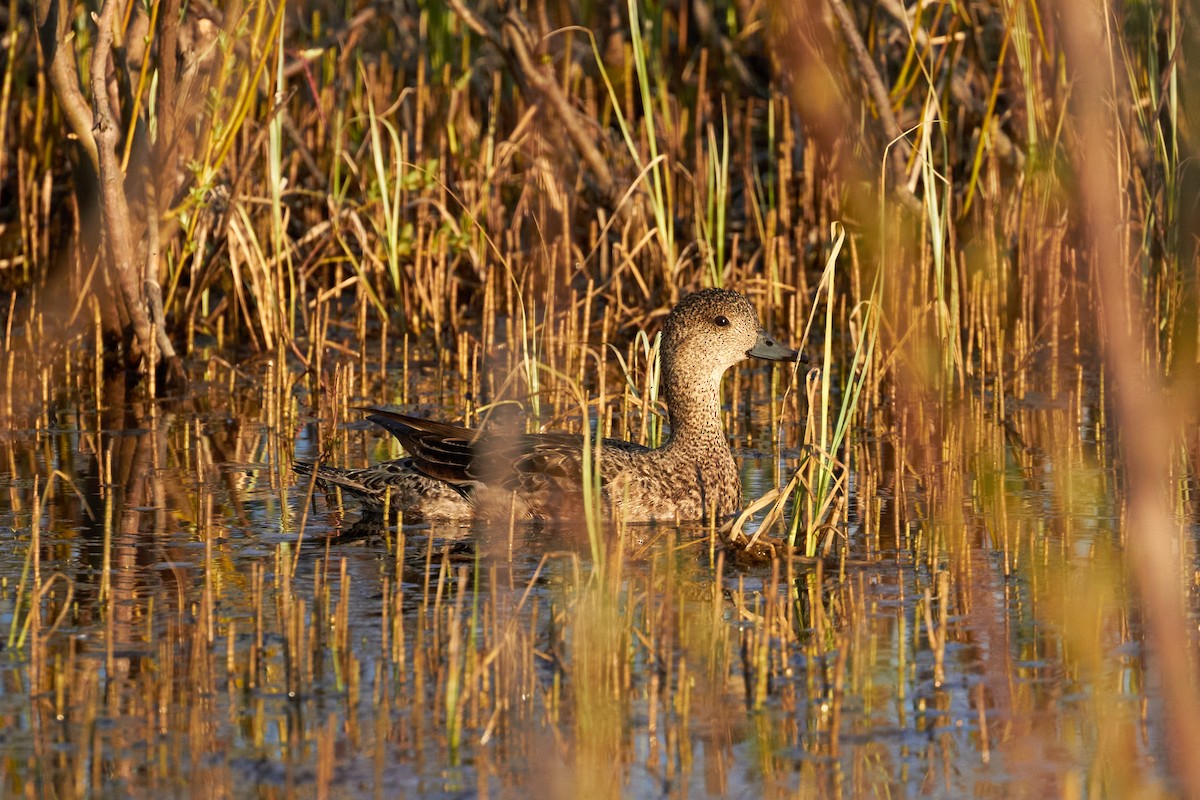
516 43
53 29
879 95
879 92
517 37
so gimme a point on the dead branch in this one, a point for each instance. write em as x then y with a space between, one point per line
516 43
118 226
883 103
53 37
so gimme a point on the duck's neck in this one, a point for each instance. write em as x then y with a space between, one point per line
694 408
697 448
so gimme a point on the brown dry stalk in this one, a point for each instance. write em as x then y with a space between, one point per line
1147 441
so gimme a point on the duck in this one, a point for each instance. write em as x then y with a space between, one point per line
453 472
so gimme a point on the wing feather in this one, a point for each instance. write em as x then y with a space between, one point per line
459 455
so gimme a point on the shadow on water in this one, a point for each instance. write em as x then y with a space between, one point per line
169 628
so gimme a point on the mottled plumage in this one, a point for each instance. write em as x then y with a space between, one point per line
456 472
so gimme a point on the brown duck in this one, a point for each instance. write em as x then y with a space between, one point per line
454 472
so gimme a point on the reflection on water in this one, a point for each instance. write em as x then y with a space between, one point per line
177 618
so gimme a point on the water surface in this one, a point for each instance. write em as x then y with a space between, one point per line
180 621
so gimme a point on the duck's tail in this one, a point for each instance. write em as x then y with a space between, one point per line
349 480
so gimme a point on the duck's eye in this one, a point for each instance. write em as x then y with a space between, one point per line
721 321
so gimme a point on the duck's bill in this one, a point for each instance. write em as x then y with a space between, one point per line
771 350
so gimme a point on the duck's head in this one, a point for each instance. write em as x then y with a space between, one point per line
711 330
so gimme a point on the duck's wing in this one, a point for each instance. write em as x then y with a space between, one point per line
460 455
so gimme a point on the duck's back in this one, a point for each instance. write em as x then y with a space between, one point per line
540 475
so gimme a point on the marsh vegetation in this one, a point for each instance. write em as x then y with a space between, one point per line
971 569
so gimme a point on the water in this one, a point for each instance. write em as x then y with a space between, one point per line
189 639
